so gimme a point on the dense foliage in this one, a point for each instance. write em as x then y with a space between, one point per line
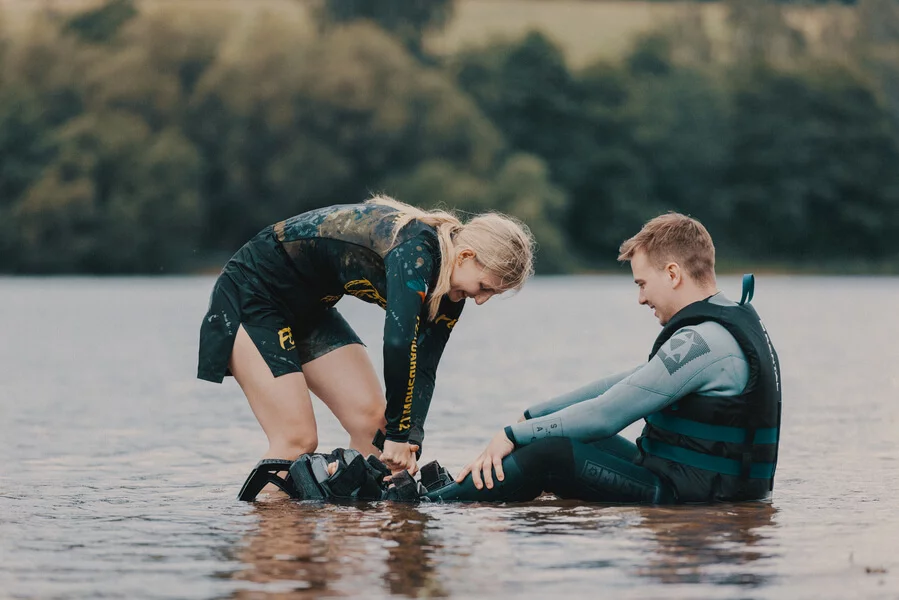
160 141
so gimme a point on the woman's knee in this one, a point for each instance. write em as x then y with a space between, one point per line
291 445
368 417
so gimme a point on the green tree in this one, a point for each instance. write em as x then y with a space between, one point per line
807 177
50 66
118 198
155 67
520 187
102 23
26 143
526 89
523 188
681 129
577 123
290 124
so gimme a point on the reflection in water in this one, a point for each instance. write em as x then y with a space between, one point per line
413 554
719 544
302 550
703 544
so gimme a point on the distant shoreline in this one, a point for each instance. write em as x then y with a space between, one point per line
885 269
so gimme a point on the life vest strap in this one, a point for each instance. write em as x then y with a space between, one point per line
698 460
713 433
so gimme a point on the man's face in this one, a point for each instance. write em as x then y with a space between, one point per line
657 286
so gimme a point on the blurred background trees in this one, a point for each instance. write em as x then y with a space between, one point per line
157 138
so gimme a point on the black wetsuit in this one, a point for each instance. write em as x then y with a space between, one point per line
283 284
710 394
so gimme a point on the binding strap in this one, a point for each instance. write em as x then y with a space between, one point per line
265 472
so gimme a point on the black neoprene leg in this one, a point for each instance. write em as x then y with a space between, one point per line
515 487
600 472
605 472
618 446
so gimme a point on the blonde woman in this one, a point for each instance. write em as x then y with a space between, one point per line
272 323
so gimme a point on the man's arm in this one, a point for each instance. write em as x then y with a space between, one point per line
703 359
591 390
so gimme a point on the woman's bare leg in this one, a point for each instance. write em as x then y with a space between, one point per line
346 382
282 405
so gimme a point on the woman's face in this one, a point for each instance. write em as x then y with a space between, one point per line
471 280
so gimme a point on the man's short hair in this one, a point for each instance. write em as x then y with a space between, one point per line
674 237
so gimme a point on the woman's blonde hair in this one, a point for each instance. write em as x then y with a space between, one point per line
502 244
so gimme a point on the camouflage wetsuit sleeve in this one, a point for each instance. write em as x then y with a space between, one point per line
704 359
431 343
409 267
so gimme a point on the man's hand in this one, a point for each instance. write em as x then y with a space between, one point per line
491 458
400 456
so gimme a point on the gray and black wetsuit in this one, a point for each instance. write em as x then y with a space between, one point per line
710 394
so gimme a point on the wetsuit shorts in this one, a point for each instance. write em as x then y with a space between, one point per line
286 340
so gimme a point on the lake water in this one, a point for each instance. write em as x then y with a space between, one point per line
120 470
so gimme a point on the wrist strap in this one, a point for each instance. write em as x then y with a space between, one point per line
510 435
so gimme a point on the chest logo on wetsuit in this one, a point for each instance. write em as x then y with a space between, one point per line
285 336
364 290
683 347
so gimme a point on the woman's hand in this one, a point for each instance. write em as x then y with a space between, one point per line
400 456
491 458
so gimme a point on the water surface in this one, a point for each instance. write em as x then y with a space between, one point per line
120 470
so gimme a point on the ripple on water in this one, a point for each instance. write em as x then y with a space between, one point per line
120 470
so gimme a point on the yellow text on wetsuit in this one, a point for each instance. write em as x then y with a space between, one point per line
450 323
406 420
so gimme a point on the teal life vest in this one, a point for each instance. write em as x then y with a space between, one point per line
713 448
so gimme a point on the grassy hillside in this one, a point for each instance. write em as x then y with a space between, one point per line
586 29
589 29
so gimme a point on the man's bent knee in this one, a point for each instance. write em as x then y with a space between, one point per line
546 455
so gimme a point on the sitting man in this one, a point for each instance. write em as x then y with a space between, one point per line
710 395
